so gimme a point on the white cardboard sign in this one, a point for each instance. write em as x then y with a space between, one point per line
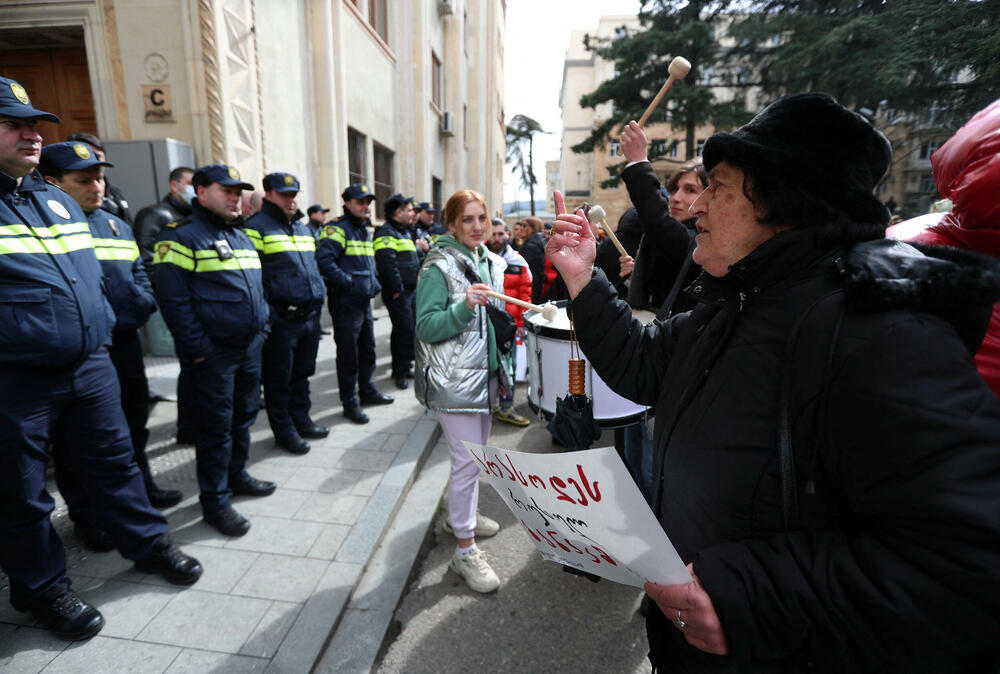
582 509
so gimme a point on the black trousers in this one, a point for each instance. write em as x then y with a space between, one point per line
403 326
289 359
354 334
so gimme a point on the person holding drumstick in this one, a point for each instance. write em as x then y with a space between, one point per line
825 450
459 368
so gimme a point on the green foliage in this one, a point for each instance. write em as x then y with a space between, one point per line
520 132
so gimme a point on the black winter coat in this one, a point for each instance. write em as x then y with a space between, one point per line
896 564
665 246
629 233
533 252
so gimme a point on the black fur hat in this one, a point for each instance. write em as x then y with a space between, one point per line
813 142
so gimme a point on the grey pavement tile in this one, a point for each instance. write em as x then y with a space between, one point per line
223 567
393 442
104 565
272 534
281 578
192 661
9 614
334 480
299 650
366 460
127 607
318 457
331 508
274 471
105 654
394 425
282 503
329 542
353 439
27 649
271 630
206 620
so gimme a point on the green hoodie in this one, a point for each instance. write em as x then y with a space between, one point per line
436 319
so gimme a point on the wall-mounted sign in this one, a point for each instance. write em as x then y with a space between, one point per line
157 103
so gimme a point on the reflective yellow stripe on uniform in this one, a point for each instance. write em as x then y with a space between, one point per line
335 233
396 244
282 243
208 260
116 249
359 248
56 239
171 252
254 238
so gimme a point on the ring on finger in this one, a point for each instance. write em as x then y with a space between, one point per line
680 621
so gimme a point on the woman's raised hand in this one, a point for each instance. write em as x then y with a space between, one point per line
476 294
572 247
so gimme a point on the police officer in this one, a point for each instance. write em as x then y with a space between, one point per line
398 264
419 233
317 218
174 207
209 288
74 168
346 259
294 289
426 221
114 199
55 374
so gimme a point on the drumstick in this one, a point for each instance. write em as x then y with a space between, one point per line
597 214
678 69
547 310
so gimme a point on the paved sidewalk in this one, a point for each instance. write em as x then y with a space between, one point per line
268 601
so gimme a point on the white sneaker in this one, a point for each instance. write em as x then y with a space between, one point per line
485 527
476 571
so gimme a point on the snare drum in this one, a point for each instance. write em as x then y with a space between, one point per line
548 347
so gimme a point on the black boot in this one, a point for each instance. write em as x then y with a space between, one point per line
61 612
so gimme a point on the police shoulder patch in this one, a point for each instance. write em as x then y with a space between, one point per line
162 248
330 229
171 225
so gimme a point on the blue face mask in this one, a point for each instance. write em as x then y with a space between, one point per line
189 193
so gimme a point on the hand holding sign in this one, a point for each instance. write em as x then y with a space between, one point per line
690 608
572 247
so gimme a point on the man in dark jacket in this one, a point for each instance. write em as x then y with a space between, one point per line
210 289
174 207
346 258
132 299
56 377
825 449
398 263
294 289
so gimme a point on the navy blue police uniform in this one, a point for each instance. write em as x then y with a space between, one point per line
398 265
346 258
294 290
210 291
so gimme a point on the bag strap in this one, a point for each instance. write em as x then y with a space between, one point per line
667 308
786 450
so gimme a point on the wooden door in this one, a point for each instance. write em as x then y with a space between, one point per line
57 80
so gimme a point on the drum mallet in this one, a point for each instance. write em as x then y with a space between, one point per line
548 310
596 214
678 69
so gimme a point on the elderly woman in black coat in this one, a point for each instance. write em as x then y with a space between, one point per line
826 453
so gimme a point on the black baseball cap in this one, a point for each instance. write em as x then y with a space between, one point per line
357 191
316 208
281 182
14 102
68 156
223 174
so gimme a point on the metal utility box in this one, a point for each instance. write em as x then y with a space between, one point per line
142 167
142 171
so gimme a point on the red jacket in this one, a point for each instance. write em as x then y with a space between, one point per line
516 283
967 171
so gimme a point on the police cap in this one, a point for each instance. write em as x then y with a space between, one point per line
68 156
281 182
316 208
392 203
357 191
14 102
227 176
425 206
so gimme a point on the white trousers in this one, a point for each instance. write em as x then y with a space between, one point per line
463 482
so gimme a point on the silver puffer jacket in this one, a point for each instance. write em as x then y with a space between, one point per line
453 375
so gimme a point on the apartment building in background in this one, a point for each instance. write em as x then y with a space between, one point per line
405 96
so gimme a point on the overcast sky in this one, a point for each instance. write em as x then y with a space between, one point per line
534 50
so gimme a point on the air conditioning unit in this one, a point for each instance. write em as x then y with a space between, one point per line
448 124
446 7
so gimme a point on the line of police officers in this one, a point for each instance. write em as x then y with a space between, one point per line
242 301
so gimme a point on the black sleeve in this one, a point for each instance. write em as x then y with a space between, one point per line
670 237
534 255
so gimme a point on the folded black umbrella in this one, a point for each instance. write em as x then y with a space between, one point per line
573 424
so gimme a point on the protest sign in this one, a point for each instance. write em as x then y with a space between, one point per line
582 509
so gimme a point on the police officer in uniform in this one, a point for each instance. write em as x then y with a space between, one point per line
114 199
210 290
74 168
346 259
317 218
294 289
55 374
398 264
